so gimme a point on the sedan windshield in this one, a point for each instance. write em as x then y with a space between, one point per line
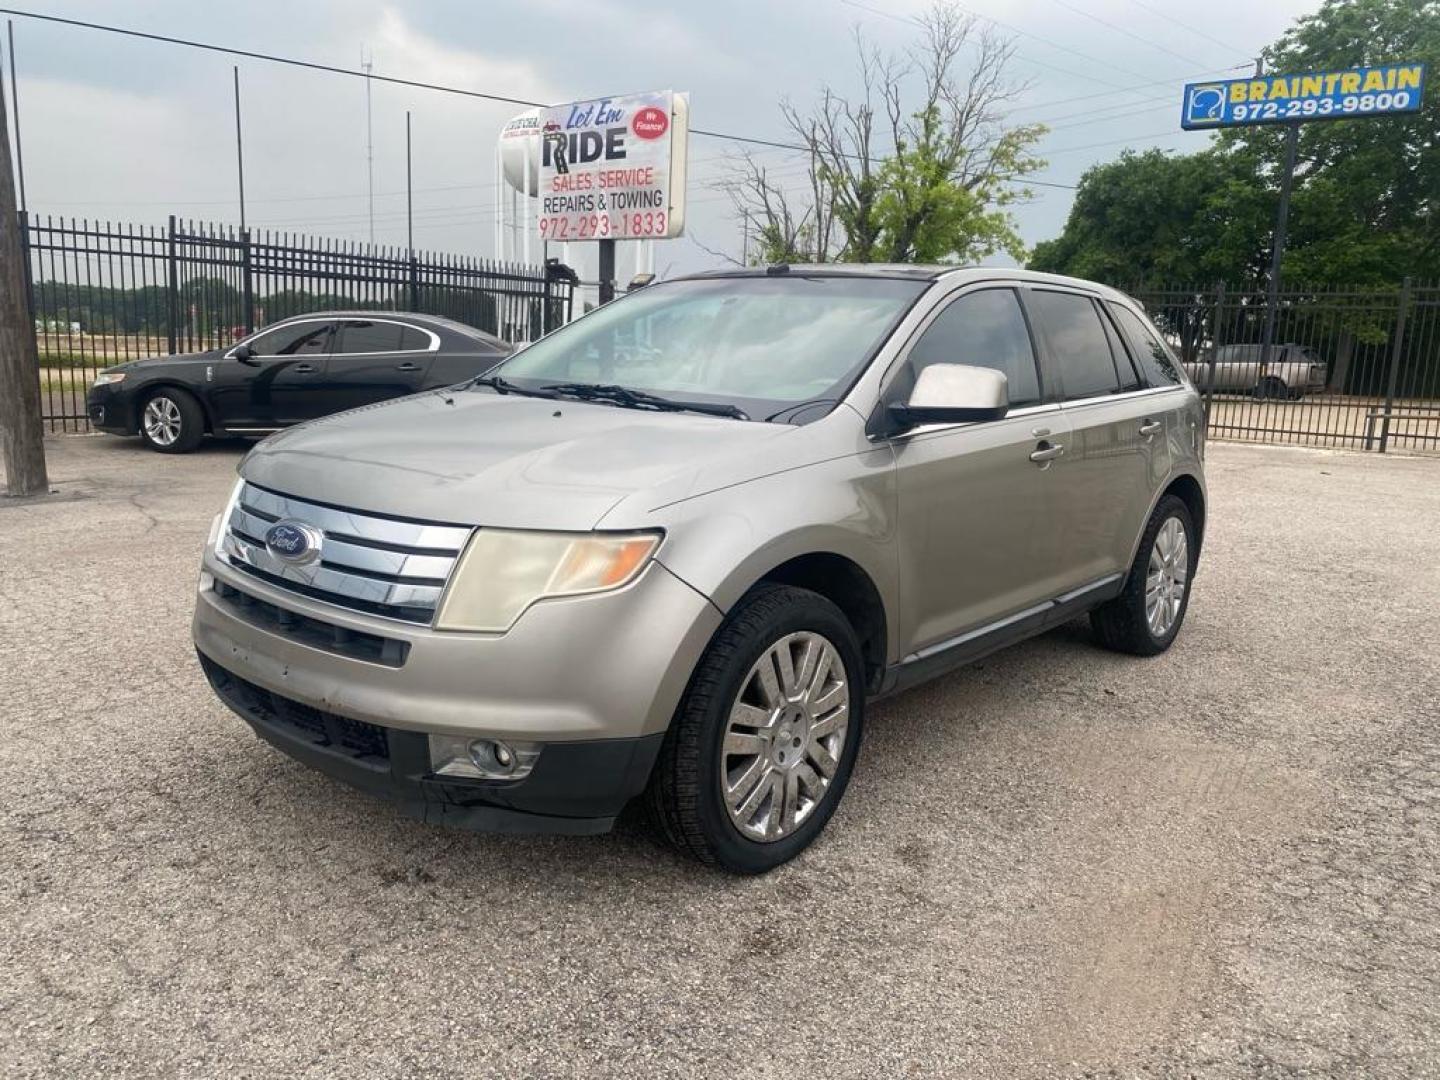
758 346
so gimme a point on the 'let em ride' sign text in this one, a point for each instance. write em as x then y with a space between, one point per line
614 168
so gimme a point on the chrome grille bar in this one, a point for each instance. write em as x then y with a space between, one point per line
379 565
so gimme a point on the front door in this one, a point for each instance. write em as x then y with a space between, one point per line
977 521
280 382
375 360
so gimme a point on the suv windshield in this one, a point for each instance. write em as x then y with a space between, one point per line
760 345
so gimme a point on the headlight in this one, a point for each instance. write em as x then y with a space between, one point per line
222 521
105 378
503 572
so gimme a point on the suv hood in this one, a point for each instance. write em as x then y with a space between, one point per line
503 461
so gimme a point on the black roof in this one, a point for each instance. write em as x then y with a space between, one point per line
435 322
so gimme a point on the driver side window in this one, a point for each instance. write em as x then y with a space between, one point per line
303 339
983 329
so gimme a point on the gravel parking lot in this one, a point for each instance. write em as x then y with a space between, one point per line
1061 862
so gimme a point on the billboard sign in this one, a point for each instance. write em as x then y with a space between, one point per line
1314 95
614 168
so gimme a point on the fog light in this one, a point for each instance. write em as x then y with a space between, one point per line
492 756
483 759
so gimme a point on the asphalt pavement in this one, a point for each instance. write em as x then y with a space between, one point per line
1221 862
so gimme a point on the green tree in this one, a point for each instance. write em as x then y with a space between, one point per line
1366 195
920 165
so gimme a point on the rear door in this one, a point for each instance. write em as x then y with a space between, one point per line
1118 452
377 359
280 383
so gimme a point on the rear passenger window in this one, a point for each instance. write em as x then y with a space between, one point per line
414 339
983 329
1076 336
369 337
1154 358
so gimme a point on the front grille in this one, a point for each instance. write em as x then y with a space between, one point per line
315 633
339 734
393 567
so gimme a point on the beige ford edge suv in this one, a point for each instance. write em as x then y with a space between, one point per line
672 550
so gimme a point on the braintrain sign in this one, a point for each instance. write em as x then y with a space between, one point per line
1314 95
614 168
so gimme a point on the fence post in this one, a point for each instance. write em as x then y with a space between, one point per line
1395 355
173 280
414 283
247 290
1217 338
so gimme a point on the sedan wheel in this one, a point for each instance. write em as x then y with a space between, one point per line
785 736
162 421
172 422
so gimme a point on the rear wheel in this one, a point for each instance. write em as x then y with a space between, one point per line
171 422
1271 388
1145 618
762 746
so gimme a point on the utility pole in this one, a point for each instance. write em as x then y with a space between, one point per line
239 148
368 62
21 435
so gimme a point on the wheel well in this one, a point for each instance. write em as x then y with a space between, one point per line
849 588
1187 489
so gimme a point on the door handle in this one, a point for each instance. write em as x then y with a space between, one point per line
407 366
1046 452
1150 427
303 369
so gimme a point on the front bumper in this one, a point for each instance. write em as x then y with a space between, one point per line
575 787
595 679
110 410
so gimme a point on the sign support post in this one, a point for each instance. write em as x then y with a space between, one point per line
607 271
1277 253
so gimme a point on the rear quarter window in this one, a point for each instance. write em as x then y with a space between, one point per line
1157 362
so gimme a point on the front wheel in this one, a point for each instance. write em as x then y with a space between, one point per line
171 422
1145 618
762 746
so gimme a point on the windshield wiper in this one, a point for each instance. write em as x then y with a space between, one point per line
639 399
502 385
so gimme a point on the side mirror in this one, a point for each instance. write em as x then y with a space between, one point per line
953 394
243 353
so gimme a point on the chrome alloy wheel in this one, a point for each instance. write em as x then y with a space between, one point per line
1166 577
785 736
162 420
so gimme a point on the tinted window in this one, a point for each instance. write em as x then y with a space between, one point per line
370 337
294 340
983 329
1129 378
411 338
1072 328
1155 360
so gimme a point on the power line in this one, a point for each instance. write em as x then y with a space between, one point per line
1111 142
913 21
1121 30
351 72
1186 26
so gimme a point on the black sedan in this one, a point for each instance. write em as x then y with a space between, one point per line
287 373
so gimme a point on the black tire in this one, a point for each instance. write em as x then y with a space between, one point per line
191 419
1120 624
1271 388
684 800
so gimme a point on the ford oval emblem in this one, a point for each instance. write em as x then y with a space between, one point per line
294 542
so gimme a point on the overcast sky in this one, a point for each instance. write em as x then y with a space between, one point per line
129 130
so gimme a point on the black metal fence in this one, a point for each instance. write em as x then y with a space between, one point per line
1372 357
102 294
